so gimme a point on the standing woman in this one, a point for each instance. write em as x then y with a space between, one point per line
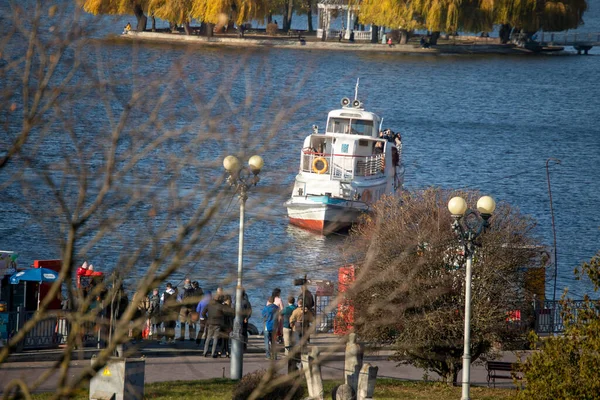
279 303
228 314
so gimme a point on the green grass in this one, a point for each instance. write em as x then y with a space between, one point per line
220 389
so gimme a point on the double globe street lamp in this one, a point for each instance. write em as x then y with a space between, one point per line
241 179
467 226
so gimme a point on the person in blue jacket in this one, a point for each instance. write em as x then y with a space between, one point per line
202 321
270 316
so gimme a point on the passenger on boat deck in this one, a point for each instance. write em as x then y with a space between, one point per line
378 148
398 139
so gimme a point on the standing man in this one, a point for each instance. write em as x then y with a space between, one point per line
300 322
287 329
185 318
169 313
270 316
202 326
246 314
215 317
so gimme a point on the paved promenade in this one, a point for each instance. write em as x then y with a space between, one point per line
184 361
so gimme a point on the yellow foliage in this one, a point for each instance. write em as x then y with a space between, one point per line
472 15
120 7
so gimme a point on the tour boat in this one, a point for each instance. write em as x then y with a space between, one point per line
344 170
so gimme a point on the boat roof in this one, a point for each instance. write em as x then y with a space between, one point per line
355 113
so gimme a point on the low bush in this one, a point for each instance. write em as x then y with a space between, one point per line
272 29
250 382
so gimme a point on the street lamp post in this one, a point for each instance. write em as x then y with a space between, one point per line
468 225
241 179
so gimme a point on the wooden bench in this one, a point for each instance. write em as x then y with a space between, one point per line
498 369
295 35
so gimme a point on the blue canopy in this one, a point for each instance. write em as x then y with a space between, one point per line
34 275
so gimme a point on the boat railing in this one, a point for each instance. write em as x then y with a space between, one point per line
342 166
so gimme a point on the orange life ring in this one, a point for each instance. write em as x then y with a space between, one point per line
324 165
366 196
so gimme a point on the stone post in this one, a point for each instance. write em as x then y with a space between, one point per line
353 362
366 382
312 371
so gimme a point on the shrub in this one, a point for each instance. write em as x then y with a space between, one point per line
272 390
566 367
272 29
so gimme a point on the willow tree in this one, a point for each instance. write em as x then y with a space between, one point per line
221 11
177 12
138 8
533 15
409 288
396 14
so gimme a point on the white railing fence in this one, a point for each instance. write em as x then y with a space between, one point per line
343 167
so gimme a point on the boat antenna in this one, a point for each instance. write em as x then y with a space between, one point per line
356 89
380 124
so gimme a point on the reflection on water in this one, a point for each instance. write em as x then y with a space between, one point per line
484 122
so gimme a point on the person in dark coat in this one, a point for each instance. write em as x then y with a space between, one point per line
228 315
246 314
214 313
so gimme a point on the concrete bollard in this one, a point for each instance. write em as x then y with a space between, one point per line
312 371
353 362
120 379
366 382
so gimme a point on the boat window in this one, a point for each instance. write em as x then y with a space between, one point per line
364 143
338 125
361 127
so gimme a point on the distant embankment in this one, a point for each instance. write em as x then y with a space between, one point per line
456 46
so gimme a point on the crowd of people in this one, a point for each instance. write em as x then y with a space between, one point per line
287 325
209 318
206 316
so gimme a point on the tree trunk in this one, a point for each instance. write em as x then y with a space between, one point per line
450 374
374 34
505 33
186 27
269 18
309 15
140 17
288 18
206 29
433 39
172 27
153 24
403 36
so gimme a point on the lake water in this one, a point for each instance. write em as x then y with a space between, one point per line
485 122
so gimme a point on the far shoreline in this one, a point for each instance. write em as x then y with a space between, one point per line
467 47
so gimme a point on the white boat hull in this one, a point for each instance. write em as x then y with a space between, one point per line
323 214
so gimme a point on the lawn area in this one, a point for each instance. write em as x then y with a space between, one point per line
219 389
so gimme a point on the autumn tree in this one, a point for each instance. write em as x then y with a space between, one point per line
138 8
115 158
409 289
532 15
474 15
566 366
176 12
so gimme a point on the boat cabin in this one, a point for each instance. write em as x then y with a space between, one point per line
353 122
350 147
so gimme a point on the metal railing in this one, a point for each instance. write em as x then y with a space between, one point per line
344 167
569 38
334 34
549 315
50 332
